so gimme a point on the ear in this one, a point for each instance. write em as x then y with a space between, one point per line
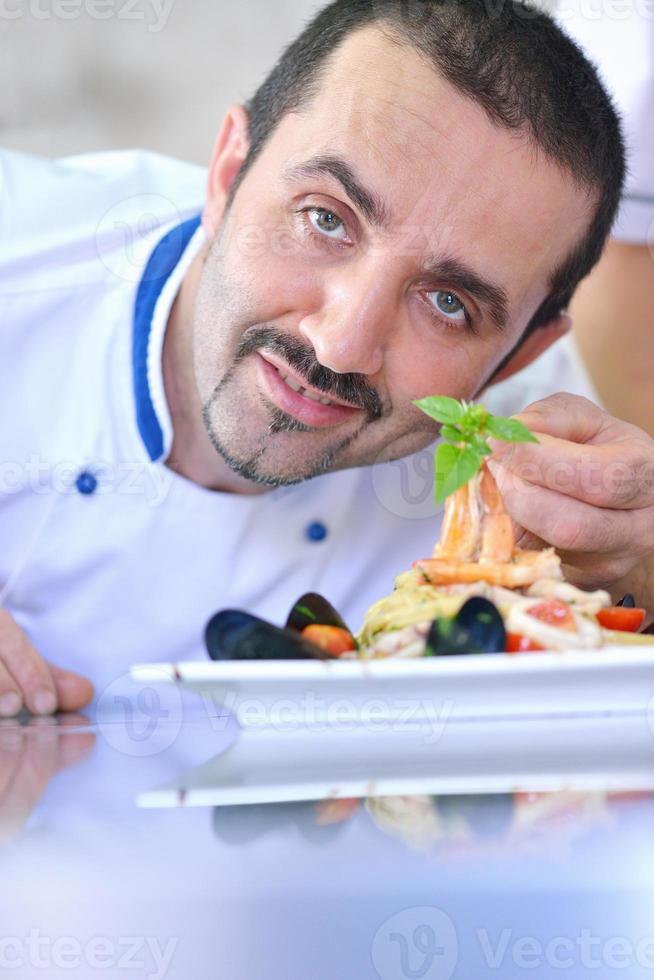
230 151
533 346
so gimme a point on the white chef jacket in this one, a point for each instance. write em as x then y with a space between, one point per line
619 39
107 557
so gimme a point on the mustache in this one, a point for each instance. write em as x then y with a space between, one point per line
351 388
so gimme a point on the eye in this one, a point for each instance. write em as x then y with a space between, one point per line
327 223
449 305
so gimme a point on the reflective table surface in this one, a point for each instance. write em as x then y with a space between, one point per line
127 850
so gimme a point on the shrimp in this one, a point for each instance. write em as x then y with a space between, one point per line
477 543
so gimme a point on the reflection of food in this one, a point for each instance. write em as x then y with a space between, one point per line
497 824
463 827
336 810
414 819
477 557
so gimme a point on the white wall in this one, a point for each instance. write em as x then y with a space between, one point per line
155 73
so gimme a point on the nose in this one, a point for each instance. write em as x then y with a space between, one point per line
350 331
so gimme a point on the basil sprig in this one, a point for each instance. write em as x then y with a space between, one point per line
464 430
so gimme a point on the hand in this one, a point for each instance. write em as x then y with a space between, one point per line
587 489
30 755
27 680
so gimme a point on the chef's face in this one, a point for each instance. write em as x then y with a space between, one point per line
388 243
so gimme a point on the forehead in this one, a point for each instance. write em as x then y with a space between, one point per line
472 190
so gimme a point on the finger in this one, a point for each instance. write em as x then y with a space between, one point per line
583 569
11 700
27 668
73 690
573 525
615 476
565 416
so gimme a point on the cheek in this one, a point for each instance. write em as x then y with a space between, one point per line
269 267
453 365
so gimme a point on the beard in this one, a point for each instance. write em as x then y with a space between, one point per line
225 415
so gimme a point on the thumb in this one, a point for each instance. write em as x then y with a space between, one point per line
527 541
73 690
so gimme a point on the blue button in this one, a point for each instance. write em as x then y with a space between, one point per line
317 531
86 483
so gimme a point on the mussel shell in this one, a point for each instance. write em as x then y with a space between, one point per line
627 601
236 635
485 624
313 609
477 628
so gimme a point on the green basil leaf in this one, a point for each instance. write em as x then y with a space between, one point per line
480 445
454 466
508 430
451 434
441 408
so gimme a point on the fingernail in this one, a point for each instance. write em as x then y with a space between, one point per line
10 704
44 702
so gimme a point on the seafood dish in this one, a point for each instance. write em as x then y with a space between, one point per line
477 593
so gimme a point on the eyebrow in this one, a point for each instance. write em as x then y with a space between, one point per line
460 276
456 273
369 203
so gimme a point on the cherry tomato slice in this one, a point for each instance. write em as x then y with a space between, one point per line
554 613
331 639
516 643
624 618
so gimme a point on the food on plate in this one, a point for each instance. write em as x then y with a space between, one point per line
477 558
477 593
235 635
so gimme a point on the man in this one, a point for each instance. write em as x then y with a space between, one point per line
404 208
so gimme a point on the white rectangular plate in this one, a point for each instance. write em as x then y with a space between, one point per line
597 754
416 695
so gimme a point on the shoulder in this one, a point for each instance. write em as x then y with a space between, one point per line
77 209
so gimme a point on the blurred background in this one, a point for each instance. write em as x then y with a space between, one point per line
79 75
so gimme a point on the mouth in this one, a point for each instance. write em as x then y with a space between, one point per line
298 399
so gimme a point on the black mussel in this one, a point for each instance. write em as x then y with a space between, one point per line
628 601
236 635
477 628
484 622
313 609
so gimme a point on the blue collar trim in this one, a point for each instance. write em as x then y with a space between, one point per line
160 265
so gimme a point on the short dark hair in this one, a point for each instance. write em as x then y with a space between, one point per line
511 59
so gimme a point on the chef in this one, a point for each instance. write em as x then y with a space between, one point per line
208 379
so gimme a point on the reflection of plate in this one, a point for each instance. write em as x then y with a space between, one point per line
610 753
410 693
